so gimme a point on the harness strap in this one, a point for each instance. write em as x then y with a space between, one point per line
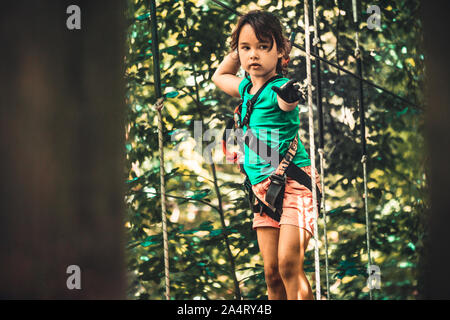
236 121
278 178
292 171
252 101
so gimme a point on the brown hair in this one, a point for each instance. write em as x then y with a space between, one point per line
266 27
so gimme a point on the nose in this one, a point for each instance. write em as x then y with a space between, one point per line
253 55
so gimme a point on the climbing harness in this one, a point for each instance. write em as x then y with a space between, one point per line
273 202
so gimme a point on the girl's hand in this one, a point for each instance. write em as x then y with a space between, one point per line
289 91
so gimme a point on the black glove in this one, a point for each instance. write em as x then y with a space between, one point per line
289 92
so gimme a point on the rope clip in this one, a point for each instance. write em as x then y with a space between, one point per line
315 41
364 159
159 104
321 152
357 52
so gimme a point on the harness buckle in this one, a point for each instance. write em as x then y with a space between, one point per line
277 179
237 120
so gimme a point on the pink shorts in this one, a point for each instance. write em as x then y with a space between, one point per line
297 204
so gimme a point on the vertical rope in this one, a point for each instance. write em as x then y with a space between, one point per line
321 155
312 149
369 262
363 137
321 142
159 105
316 37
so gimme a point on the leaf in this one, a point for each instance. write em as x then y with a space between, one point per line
232 185
190 231
133 180
215 232
340 209
149 243
143 17
200 195
132 244
206 226
171 94
400 113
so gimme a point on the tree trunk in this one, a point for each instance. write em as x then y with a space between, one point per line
62 138
437 255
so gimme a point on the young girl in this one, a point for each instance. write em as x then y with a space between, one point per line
259 47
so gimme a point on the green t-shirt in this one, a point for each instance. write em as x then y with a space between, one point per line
277 128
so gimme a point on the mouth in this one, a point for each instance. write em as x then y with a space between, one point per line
255 65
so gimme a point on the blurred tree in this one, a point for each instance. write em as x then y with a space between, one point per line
62 146
436 257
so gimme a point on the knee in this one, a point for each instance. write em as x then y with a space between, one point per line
272 275
289 268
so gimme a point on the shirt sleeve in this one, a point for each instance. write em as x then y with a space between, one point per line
242 85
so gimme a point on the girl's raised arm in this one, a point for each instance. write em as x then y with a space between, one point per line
225 76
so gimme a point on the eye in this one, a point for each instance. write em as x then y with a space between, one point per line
264 46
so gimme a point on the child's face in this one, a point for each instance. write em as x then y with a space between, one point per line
252 51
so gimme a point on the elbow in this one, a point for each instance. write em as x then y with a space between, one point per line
215 75
214 78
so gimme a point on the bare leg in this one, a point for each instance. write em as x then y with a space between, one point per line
268 245
293 242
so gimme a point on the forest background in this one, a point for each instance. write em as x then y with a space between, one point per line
213 250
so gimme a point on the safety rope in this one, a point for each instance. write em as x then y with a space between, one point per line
363 137
158 106
316 37
321 143
312 149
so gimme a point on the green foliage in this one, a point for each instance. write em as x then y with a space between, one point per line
210 236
